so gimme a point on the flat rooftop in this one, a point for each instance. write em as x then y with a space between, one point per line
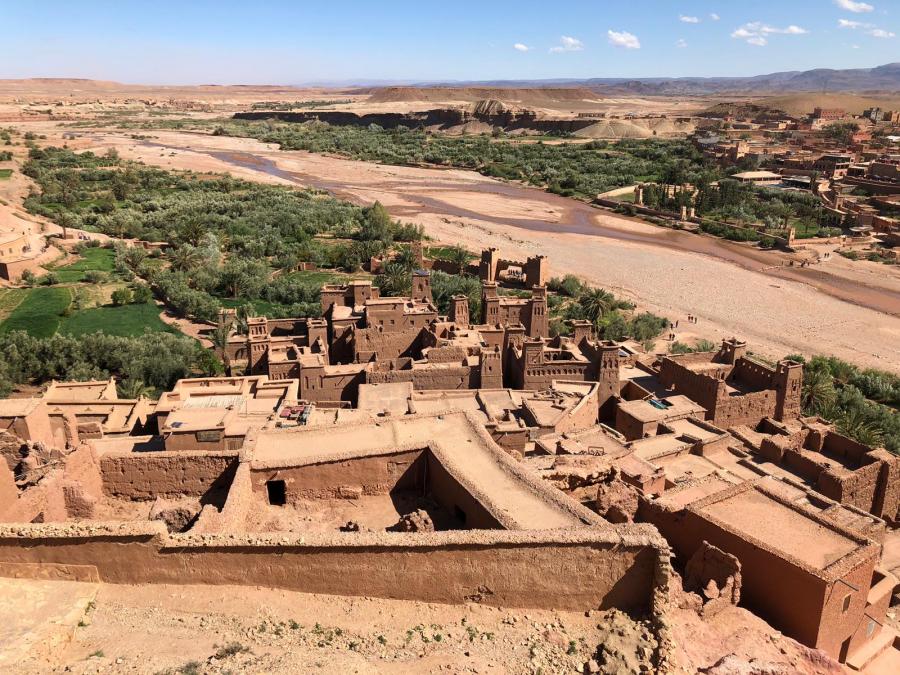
757 516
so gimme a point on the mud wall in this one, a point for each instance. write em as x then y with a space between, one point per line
571 570
373 475
457 500
140 476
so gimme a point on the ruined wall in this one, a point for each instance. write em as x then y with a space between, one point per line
571 570
140 476
372 475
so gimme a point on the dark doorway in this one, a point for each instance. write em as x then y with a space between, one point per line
277 492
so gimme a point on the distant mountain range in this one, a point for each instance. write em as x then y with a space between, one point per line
884 78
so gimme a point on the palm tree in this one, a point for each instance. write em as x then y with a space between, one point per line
818 392
132 388
396 280
596 302
854 423
184 258
460 257
219 338
405 258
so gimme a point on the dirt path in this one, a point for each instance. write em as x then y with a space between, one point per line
849 309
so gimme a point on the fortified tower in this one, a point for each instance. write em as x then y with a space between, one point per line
608 378
459 310
788 383
421 286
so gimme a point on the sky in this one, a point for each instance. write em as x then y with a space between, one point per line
353 41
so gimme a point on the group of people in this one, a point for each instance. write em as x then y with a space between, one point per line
672 326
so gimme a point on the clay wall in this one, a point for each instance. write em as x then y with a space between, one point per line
541 376
372 474
320 385
209 440
702 389
630 426
144 476
447 491
788 597
858 488
746 409
385 345
426 379
755 375
572 570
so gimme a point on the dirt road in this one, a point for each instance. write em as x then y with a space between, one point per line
849 309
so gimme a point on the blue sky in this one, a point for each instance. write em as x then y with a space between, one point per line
280 42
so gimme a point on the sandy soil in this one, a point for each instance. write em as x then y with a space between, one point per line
849 309
58 626
157 629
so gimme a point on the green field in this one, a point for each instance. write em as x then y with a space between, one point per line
5 173
40 312
97 259
125 320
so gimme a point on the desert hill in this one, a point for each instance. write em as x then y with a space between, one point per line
515 95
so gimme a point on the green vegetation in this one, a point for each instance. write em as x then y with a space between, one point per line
764 211
570 169
612 317
842 132
156 359
5 173
863 403
123 320
92 259
228 237
40 313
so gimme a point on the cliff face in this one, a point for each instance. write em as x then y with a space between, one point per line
492 113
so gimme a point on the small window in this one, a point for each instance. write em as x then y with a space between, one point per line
846 605
277 492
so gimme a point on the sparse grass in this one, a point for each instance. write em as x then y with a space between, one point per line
10 299
40 313
5 174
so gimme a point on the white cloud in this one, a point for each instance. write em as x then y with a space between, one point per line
520 47
714 16
869 28
568 44
855 7
756 33
688 19
681 43
623 39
